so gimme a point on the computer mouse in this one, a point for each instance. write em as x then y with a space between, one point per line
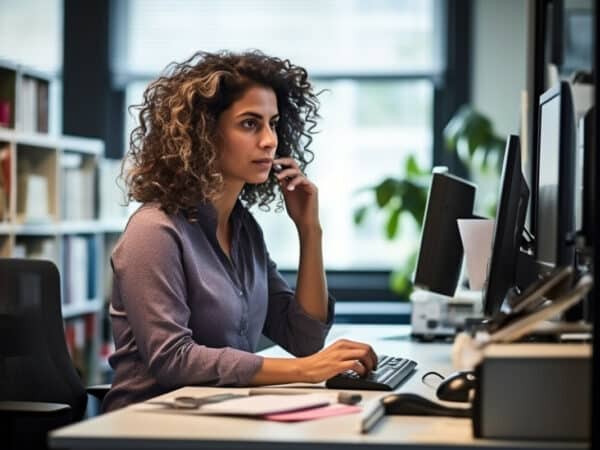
456 386
415 405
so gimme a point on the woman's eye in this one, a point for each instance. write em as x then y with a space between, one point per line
249 123
273 125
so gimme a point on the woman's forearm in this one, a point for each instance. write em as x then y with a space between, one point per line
311 285
340 356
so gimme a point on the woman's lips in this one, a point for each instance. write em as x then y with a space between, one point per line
263 163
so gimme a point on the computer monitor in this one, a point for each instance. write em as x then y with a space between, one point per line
508 230
555 181
441 252
587 191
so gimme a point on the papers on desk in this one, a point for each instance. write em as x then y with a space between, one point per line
280 408
262 405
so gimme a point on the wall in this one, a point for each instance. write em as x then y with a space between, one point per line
499 61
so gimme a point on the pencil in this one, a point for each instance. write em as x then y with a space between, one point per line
346 398
372 413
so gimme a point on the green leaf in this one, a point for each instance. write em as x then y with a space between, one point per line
479 158
467 133
412 167
478 131
385 191
360 214
414 200
455 127
391 227
491 210
401 284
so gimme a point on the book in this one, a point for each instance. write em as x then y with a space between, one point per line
76 271
42 106
4 182
77 194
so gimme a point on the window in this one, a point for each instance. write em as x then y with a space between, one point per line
377 61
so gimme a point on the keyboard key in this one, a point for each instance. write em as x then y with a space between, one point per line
390 373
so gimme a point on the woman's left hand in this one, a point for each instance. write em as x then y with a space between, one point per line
299 193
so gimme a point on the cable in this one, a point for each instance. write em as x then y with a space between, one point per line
431 372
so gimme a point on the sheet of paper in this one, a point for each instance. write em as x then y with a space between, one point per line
261 405
476 236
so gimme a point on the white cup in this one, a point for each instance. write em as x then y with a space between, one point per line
476 236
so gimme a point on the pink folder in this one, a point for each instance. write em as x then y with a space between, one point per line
313 413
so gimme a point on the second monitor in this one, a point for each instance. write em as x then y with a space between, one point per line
508 230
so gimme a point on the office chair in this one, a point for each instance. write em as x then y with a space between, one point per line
39 387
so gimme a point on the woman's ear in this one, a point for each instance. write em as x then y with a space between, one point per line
217 139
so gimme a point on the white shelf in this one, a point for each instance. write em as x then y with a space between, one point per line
76 144
30 138
64 228
79 227
82 145
6 228
35 229
84 307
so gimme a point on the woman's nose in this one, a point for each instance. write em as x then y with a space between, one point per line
268 138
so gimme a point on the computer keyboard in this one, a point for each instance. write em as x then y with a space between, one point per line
391 371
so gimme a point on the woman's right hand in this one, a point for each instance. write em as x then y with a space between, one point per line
342 355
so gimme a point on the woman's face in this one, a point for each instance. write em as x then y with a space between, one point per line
247 137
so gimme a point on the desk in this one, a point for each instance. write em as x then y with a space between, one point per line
132 427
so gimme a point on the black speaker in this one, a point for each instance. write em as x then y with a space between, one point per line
441 252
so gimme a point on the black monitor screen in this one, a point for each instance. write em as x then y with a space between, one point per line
555 193
547 207
508 230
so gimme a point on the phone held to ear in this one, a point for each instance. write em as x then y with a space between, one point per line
277 167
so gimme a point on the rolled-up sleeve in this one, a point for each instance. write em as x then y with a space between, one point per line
151 286
288 324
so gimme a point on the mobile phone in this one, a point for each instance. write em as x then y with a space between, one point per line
277 167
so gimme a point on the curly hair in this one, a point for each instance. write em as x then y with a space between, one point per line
173 153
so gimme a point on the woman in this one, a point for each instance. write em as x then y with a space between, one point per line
194 286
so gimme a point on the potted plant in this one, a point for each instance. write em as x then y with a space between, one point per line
471 136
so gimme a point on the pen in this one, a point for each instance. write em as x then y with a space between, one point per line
371 415
347 398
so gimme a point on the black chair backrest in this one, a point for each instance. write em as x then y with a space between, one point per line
34 361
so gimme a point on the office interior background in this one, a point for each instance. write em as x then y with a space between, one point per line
393 74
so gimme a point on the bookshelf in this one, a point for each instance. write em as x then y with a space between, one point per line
59 201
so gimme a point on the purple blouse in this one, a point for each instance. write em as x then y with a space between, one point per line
183 313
